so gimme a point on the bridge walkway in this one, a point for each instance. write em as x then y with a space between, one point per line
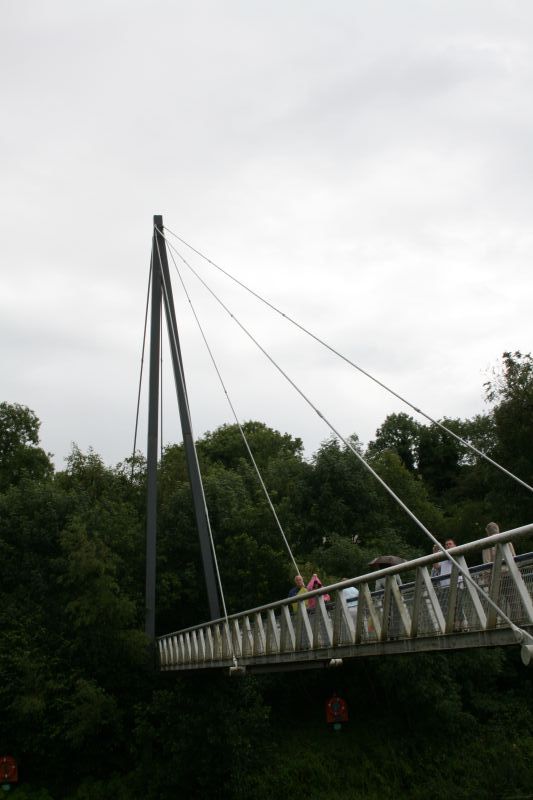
414 612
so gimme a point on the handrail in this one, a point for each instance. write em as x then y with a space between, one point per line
407 566
486 605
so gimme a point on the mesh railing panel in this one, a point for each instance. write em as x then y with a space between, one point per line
187 648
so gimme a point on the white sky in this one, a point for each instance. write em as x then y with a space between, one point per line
366 166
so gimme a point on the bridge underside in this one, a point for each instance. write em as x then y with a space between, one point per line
333 656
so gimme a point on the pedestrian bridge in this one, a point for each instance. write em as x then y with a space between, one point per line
485 605
408 609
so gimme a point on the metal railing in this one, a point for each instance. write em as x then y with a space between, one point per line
413 612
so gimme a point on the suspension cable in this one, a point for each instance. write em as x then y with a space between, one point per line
243 435
173 333
141 369
464 572
329 347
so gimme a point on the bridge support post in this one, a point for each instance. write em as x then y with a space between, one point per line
162 294
151 461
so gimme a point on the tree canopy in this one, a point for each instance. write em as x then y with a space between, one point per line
87 716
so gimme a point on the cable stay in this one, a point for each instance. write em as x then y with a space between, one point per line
281 635
340 355
142 366
518 632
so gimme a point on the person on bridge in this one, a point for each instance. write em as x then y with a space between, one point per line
315 583
510 602
435 569
446 571
351 595
446 565
489 553
298 588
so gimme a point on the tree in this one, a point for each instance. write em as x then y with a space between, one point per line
413 492
399 433
344 498
510 392
86 716
20 455
245 532
226 445
439 457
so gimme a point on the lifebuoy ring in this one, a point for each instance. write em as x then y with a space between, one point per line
336 709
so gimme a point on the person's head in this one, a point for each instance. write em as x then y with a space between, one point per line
315 582
492 528
449 543
299 581
436 548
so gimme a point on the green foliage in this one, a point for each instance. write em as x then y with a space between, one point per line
399 434
29 793
89 571
226 446
86 715
20 456
255 573
512 381
414 494
511 393
190 736
439 457
337 558
91 713
344 498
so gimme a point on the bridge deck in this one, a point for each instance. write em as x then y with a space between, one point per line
420 614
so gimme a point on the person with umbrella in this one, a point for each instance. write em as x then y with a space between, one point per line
386 561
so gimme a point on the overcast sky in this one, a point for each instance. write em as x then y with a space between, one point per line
366 166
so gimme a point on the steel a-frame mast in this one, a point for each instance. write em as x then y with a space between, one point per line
161 294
